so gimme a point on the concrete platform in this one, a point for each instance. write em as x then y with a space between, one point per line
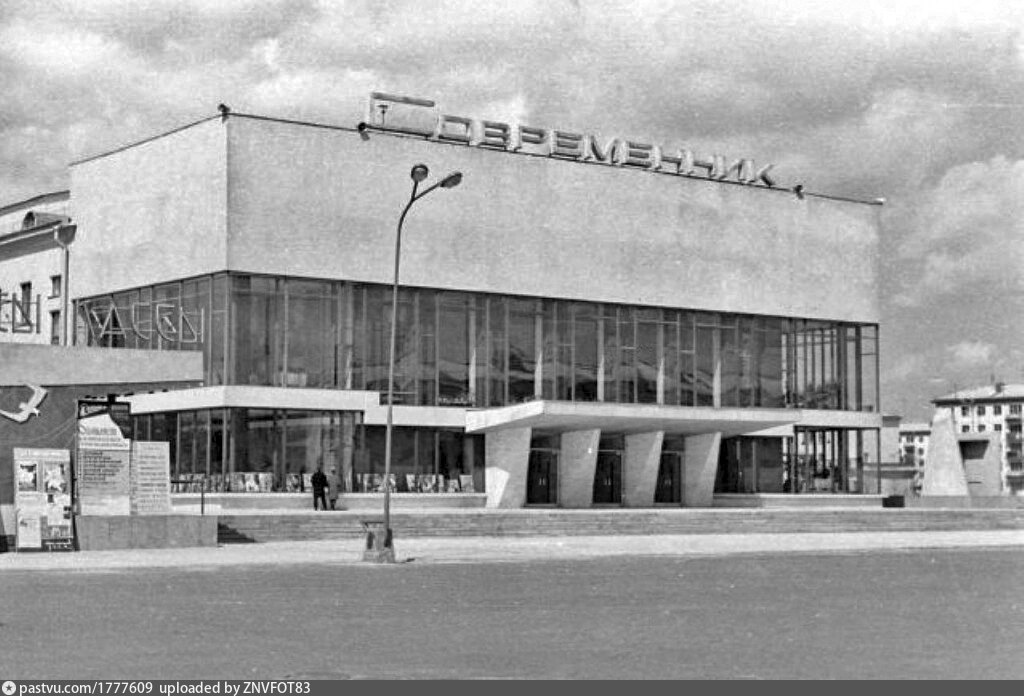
508 550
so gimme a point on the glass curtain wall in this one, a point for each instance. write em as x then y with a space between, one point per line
751 465
464 349
274 450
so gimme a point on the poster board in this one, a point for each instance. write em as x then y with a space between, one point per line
150 478
43 499
104 486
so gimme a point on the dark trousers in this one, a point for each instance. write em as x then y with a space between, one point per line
321 497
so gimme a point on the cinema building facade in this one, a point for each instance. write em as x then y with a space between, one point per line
576 327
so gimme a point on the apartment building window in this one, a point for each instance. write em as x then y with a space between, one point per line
1014 409
981 428
997 410
998 427
55 286
965 411
25 306
965 428
981 410
55 328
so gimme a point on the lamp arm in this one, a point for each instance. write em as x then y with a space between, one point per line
416 197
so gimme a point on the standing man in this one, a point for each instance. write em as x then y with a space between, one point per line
319 481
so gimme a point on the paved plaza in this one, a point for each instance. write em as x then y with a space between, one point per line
428 550
922 605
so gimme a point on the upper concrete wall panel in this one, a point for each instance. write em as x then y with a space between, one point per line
324 203
151 212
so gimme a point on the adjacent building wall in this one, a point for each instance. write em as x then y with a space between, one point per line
31 257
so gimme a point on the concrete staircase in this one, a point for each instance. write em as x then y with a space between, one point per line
290 525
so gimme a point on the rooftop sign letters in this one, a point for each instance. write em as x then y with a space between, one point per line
556 143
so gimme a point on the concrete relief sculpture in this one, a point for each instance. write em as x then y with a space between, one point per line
29 408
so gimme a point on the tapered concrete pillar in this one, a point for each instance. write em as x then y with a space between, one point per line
640 470
700 465
508 458
577 462
944 472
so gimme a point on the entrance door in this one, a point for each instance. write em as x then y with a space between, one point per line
669 488
608 478
542 478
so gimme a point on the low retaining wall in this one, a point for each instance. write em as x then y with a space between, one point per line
803 500
98 533
977 502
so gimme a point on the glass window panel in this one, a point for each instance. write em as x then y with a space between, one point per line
611 354
498 348
201 442
164 428
626 371
869 368
585 352
217 440
705 362
311 331
257 331
257 436
424 338
746 351
647 342
186 446
730 367
453 341
522 350
217 334
481 350
770 366
166 316
376 337
135 337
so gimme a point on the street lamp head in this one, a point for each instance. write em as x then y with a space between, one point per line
419 173
452 180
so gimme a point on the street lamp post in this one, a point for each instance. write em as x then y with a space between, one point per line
418 174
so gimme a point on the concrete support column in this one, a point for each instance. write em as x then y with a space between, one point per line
640 469
508 458
700 465
577 462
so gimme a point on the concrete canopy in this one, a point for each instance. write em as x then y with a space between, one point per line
565 416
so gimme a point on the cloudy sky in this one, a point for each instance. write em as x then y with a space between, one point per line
918 102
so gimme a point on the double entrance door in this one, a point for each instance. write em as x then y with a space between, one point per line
669 487
608 478
542 477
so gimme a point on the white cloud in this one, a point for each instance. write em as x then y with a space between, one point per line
968 354
58 50
968 232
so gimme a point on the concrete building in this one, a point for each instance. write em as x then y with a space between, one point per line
913 448
989 414
35 235
581 322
